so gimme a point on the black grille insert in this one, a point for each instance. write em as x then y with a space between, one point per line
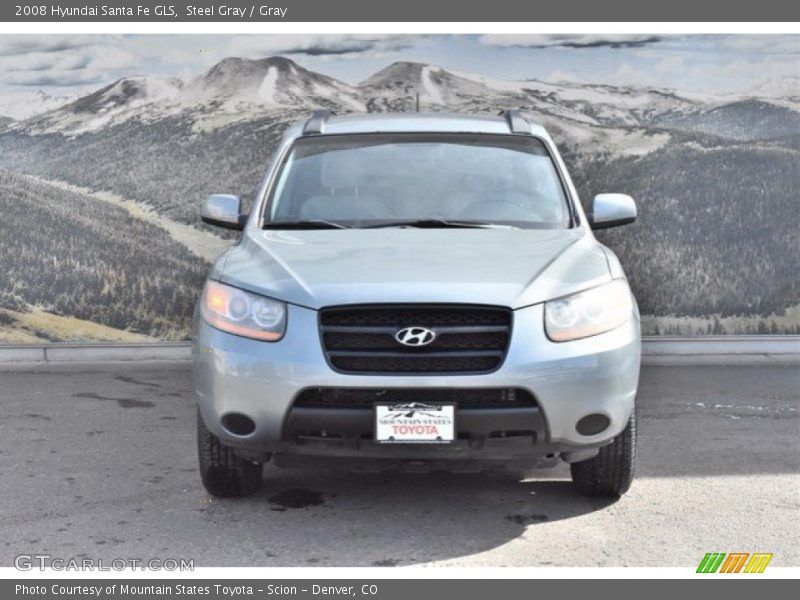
469 339
463 398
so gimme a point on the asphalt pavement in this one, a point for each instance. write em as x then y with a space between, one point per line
99 461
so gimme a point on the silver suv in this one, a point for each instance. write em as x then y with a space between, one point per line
417 291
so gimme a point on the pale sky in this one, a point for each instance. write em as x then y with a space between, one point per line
703 63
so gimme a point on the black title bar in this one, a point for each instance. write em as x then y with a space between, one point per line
408 10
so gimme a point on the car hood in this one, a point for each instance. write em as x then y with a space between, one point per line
507 267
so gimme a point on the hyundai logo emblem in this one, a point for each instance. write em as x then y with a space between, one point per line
415 336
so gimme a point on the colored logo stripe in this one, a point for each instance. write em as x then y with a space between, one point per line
758 562
735 561
711 562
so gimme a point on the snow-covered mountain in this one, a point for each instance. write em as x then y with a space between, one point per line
112 104
129 93
591 116
237 90
23 104
396 88
269 82
233 90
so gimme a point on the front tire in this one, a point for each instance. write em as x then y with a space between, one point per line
223 473
610 473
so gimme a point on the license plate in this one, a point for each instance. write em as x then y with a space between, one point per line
415 423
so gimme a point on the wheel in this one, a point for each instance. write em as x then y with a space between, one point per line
223 473
610 473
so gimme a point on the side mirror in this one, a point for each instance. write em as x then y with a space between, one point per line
612 210
223 210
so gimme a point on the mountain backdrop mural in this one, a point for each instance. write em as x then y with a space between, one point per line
100 237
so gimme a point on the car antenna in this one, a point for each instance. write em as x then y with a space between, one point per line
417 101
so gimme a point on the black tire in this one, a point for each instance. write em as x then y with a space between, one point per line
223 473
610 473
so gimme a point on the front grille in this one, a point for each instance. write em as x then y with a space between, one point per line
469 339
463 398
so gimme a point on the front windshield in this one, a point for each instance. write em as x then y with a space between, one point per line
382 179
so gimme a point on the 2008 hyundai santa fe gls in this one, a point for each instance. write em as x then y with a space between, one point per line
419 291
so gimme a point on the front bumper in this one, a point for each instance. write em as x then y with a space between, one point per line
568 380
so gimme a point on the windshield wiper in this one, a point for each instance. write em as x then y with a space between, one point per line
439 224
309 224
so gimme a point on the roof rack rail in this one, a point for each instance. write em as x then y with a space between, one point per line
316 122
516 122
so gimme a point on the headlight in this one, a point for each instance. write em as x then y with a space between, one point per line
242 313
588 313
